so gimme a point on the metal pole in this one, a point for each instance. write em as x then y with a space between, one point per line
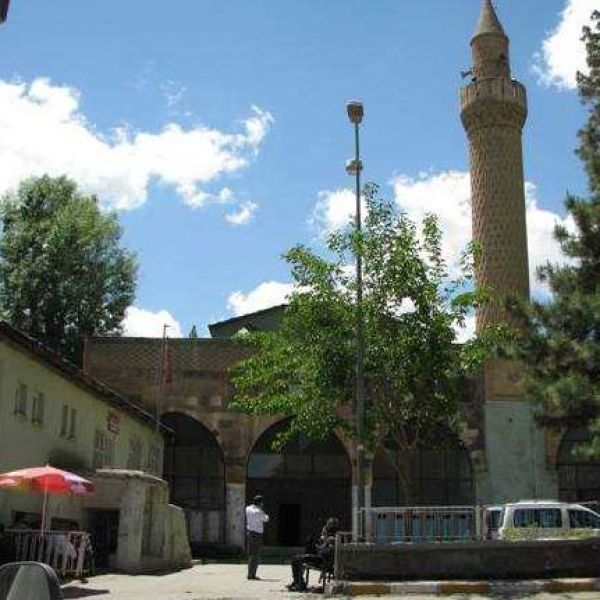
360 344
159 383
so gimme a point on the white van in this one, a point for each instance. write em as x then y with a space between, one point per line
547 519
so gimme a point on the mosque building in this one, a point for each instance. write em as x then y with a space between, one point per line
217 459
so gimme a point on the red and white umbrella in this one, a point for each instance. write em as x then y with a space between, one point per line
46 480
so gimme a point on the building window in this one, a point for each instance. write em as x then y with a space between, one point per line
37 410
153 460
103 449
134 460
73 424
68 422
21 399
64 420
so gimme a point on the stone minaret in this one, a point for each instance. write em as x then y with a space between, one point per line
493 112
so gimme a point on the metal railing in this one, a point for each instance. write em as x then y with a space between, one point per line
64 551
402 524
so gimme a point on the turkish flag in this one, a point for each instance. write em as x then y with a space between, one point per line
3 10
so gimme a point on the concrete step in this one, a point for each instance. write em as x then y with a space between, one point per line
500 588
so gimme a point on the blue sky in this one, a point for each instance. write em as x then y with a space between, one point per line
218 129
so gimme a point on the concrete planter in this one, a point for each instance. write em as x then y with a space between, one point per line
469 560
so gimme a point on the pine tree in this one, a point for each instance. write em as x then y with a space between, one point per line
559 342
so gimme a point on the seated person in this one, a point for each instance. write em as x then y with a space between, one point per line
320 555
63 546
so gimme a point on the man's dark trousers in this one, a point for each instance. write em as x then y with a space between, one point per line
254 543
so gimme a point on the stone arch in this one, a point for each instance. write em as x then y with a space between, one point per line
302 485
441 476
260 426
194 464
578 477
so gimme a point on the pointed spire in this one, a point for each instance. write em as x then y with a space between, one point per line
488 20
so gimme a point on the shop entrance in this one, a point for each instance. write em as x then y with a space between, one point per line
104 529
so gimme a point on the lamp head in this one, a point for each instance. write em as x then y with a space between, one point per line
355 111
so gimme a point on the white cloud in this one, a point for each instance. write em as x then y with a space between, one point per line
265 295
447 194
43 130
243 215
139 322
563 53
334 210
467 331
225 196
541 244
173 91
257 127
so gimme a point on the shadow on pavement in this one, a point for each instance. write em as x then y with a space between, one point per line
74 591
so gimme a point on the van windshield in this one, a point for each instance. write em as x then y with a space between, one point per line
583 519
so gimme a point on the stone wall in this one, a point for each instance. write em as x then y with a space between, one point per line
152 533
200 388
469 560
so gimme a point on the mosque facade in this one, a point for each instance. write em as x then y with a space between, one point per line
217 459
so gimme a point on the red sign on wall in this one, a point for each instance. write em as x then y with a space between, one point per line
113 423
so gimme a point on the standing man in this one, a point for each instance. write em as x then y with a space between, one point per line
255 526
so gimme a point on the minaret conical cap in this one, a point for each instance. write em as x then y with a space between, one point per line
488 20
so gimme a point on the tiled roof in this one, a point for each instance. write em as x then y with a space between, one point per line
74 374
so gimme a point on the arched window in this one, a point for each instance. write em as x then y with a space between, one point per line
193 465
578 478
424 476
302 485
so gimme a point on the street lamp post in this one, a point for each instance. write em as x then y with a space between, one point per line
354 167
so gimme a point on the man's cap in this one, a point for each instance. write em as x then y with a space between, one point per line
257 499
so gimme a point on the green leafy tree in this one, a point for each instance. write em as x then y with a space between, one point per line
559 341
413 368
63 273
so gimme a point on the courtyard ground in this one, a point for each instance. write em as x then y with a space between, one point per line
227 581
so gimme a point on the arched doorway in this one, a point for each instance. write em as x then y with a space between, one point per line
578 478
302 485
434 476
195 471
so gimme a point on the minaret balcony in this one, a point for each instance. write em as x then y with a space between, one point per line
493 90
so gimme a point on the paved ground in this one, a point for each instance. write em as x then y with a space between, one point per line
222 581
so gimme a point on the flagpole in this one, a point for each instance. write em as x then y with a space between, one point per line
161 364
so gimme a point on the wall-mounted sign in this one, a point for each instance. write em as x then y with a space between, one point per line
113 422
